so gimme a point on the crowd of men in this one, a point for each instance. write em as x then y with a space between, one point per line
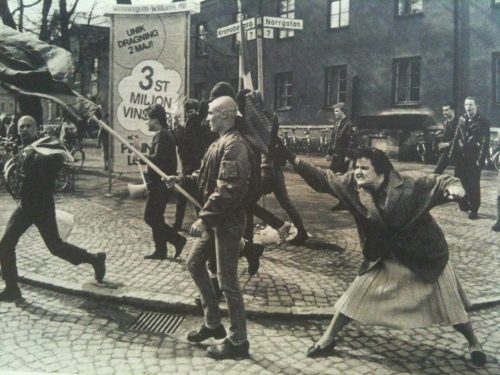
227 164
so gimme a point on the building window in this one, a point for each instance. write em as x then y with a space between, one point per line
409 7
200 91
336 85
286 10
201 39
406 81
283 91
496 77
339 13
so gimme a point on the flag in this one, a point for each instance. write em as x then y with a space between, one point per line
50 146
31 67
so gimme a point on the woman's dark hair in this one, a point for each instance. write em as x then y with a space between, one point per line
379 159
156 111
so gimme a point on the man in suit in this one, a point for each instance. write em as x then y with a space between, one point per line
162 154
469 150
450 127
339 143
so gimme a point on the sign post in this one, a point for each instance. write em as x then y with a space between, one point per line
258 28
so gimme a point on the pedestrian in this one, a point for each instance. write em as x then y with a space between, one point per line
162 154
469 150
224 180
450 127
273 181
405 280
39 171
340 140
191 146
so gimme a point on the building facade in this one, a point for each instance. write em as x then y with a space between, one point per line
394 62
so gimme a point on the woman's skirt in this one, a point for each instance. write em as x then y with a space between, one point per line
392 295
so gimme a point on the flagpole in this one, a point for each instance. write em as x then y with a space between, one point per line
145 160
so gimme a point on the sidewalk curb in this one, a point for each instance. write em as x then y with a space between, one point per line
154 302
172 303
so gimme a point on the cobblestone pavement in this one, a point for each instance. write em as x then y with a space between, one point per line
49 332
292 279
54 333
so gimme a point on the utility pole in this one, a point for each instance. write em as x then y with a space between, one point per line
260 51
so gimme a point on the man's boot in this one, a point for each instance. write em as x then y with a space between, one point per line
160 253
99 264
179 246
11 293
299 238
227 350
253 252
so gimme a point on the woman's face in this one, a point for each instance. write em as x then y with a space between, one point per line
365 174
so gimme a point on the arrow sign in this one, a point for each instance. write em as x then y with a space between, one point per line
283 23
234 28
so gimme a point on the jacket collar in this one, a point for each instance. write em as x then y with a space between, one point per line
394 190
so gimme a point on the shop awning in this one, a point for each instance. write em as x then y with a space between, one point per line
399 118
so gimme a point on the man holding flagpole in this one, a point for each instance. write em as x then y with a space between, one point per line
40 163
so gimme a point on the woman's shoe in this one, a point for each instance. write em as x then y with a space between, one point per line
317 351
477 356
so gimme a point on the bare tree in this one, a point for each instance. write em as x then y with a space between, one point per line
44 33
6 14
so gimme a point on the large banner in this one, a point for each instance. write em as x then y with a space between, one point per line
149 63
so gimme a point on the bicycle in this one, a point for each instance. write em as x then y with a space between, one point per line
323 142
493 159
74 148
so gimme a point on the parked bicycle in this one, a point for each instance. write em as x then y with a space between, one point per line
76 150
323 142
493 159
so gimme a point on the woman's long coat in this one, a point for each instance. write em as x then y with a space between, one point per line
405 227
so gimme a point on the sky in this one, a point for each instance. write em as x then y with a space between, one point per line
84 6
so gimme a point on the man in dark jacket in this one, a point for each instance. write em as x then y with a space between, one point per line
224 182
162 154
450 127
469 150
38 173
340 141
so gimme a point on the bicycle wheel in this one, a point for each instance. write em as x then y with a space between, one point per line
79 156
62 179
496 161
12 181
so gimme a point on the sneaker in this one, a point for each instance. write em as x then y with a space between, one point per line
179 246
227 350
284 231
299 239
496 227
205 333
99 266
10 294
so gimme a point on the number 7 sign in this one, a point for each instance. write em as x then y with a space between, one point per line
268 33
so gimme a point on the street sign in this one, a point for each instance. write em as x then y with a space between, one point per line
268 33
234 28
251 34
284 23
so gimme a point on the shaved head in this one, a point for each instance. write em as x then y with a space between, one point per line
26 127
224 103
222 114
